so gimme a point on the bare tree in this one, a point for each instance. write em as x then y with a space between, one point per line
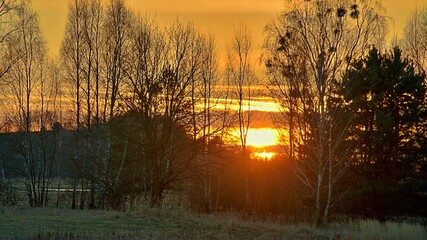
171 114
71 52
241 76
209 103
116 35
143 71
309 47
210 118
56 96
7 27
116 29
91 68
163 74
31 102
82 53
171 76
415 38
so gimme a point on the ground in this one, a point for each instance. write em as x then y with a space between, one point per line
51 223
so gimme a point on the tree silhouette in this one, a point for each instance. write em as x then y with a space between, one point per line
309 47
386 97
241 76
414 42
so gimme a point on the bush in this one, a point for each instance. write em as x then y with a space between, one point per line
7 194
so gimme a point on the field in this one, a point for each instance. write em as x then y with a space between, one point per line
51 223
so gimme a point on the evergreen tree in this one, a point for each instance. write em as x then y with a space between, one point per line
387 98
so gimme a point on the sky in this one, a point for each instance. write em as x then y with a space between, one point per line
217 17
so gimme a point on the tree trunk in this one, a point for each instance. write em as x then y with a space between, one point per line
156 196
317 218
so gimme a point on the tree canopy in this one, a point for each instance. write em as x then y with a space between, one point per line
386 96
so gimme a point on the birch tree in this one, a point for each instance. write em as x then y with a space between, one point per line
210 120
30 106
92 16
72 52
241 77
309 47
414 42
7 27
116 37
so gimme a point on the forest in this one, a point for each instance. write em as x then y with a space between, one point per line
135 115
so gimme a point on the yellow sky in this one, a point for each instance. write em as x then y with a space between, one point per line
214 16
217 17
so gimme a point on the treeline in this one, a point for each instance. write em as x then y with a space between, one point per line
145 107
138 100
355 113
132 114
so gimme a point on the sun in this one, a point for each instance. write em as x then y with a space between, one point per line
259 137
262 137
260 140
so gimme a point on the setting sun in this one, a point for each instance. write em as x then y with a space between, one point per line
260 137
179 114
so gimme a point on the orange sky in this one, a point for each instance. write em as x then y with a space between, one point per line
214 16
217 17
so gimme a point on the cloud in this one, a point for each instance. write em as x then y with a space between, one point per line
209 5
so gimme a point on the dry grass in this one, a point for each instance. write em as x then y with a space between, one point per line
51 223
372 229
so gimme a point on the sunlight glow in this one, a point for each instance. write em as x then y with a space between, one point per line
264 155
260 137
259 104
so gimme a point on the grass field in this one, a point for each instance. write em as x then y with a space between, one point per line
51 223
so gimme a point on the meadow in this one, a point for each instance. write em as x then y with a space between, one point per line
52 223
